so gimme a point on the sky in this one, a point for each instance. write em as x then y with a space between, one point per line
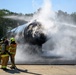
30 6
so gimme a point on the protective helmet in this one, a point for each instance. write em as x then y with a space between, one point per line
12 39
3 39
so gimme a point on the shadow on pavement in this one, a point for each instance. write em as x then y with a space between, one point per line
11 71
17 70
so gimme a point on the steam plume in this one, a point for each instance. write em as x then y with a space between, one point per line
62 37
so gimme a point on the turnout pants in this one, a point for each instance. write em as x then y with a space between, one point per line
12 57
0 57
4 60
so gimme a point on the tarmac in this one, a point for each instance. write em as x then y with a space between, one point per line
40 70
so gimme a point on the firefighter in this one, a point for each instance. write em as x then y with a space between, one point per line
1 41
4 54
0 51
12 51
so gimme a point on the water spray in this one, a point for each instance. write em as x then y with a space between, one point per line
62 38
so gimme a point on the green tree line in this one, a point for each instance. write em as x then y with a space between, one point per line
8 24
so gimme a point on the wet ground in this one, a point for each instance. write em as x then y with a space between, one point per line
41 70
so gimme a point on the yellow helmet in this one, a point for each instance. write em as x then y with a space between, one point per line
12 39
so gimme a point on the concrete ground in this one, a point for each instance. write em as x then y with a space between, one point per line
41 70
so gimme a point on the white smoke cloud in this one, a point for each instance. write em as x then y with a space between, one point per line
46 16
64 42
62 36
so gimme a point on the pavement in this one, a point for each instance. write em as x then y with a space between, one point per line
41 70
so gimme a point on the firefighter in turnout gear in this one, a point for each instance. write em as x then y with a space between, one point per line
4 53
12 51
1 41
0 53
